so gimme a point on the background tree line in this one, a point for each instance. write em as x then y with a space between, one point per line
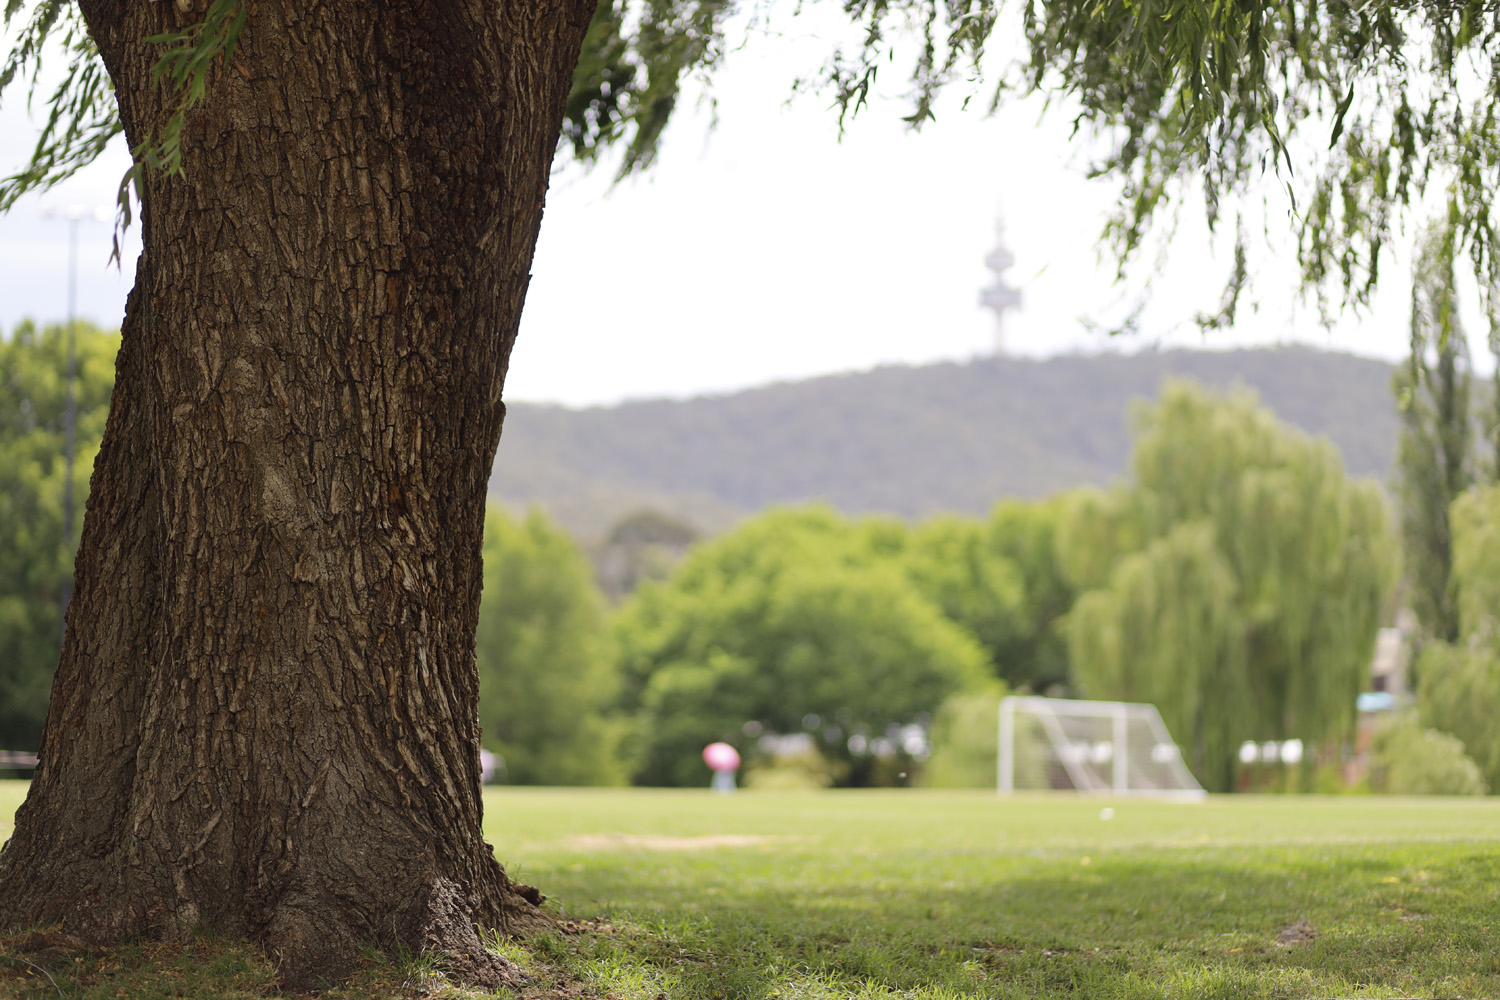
35 559
1236 579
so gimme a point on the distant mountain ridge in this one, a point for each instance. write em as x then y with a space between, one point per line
909 440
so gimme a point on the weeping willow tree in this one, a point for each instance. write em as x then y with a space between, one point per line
1459 682
1434 459
1178 586
1236 583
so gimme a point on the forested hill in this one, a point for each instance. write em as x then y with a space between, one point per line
909 440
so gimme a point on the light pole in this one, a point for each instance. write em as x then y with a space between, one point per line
74 214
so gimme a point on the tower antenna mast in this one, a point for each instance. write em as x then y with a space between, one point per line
999 296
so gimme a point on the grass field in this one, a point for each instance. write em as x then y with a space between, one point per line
940 894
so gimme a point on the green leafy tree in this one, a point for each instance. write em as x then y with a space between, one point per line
35 559
1097 528
1458 684
1001 580
1434 457
1033 654
998 579
790 623
1476 563
546 672
290 488
953 563
1250 605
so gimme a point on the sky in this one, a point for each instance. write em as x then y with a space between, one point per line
766 247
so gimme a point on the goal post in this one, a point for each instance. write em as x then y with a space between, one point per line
1092 747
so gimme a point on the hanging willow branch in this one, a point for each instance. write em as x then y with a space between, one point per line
1363 110
82 117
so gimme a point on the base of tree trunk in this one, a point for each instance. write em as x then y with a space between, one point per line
313 950
307 962
312 943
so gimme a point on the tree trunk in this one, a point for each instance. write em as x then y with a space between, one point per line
264 719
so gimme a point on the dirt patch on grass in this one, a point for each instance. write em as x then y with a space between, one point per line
656 842
1297 933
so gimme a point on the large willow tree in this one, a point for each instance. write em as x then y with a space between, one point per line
1435 460
1237 582
1459 682
263 721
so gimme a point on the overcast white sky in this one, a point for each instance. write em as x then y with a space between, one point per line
768 249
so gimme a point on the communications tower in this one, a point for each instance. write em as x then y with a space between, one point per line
999 296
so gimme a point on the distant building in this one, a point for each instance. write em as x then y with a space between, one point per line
999 296
1389 690
1388 668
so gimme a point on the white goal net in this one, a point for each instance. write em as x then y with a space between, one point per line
1095 747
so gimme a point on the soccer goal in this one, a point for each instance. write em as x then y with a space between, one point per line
1094 747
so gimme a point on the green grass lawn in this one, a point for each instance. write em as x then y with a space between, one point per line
943 894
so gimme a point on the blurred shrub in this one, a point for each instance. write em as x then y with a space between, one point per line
1328 779
966 740
1410 760
808 771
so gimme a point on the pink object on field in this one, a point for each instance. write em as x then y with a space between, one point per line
721 757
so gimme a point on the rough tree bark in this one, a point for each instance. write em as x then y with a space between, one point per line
264 720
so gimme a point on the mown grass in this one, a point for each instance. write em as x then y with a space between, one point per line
762 896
